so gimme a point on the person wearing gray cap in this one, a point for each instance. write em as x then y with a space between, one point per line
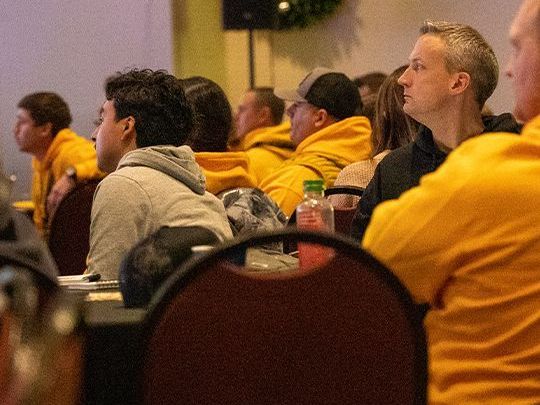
327 133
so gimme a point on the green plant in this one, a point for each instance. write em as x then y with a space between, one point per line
303 13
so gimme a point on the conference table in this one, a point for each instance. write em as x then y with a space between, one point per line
112 348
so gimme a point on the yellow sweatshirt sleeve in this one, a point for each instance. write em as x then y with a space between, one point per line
80 155
420 236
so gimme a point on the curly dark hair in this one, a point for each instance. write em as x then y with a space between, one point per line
212 114
157 102
47 107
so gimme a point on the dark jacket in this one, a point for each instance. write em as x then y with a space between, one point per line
402 169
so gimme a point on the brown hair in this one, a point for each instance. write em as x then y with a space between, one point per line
392 128
265 97
47 107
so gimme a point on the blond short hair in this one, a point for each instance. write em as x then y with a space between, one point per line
467 51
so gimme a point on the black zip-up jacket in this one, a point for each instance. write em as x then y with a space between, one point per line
402 169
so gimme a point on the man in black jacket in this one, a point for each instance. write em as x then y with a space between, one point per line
451 74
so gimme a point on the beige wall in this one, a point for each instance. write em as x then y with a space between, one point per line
198 40
364 35
70 47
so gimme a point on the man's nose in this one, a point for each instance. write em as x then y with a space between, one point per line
402 80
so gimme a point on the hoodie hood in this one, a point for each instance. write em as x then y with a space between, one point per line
345 141
226 170
278 136
501 123
175 161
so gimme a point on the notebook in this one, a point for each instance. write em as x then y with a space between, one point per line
92 285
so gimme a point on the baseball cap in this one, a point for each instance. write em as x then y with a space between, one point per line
327 89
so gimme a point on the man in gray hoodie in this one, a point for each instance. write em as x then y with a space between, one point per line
153 180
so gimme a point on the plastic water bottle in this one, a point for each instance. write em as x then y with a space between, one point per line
317 214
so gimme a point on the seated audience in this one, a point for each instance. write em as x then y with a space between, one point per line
392 128
154 181
327 134
228 174
467 242
210 135
60 157
452 72
152 260
260 133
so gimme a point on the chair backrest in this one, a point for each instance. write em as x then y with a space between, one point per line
345 206
352 190
346 332
69 229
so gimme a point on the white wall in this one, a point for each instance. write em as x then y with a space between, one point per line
70 47
367 35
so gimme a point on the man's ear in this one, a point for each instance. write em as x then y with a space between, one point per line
128 132
46 129
460 82
265 116
322 118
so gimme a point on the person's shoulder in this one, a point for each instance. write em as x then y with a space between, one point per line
119 182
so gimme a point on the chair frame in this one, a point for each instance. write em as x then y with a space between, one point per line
190 270
56 233
353 190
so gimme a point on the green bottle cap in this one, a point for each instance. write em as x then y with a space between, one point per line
313 185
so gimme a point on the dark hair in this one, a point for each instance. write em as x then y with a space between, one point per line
212 115
156 100
372 80
368 109
392 127
265 97
337 94
47 107
148 264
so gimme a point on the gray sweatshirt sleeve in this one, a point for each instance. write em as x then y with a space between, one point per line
119 219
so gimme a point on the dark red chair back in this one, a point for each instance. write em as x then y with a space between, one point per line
69 229
346 332
343 216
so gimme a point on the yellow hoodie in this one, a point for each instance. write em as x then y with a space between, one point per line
267 148
67 149
321 155
225 170
467 241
